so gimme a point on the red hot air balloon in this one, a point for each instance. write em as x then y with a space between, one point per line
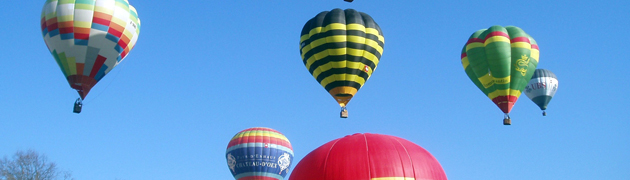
368 157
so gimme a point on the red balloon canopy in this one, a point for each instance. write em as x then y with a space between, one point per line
368 157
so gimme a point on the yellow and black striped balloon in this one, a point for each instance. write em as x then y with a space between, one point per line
341 49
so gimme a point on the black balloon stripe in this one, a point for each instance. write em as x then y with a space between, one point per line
351 45
334 71
339 58
343 32
343 83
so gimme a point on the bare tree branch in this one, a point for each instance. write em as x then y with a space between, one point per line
30 165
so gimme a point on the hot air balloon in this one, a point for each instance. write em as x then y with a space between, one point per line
341 49
259 154
542 88
368 156
88 38
500 61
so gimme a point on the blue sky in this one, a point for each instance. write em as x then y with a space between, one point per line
204 70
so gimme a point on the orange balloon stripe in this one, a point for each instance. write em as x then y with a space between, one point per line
260 139
115 29
80 67
101 18
81 33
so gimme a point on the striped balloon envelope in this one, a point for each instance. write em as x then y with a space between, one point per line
259 154
368 157
88 38
341 49
542 88
500 61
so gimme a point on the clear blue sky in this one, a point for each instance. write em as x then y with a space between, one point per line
204 70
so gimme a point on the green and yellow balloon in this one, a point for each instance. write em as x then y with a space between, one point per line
500 61
341 49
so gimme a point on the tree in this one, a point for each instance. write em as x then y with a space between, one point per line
30 165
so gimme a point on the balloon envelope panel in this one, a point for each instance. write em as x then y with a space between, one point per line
368 157
88 38
259 153
341 49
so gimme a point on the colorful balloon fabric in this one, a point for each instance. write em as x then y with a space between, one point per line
341 49
541 88
259 154
500 61
369 157
88 38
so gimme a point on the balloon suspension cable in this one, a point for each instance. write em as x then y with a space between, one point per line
108 84
344 112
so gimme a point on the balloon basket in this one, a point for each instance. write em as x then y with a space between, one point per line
507 121
78 104
344 113
544 113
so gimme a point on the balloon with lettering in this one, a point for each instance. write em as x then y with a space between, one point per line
500 61
259 153
368 156
542 88
341 49
88 38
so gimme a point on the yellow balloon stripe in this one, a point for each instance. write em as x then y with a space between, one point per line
84 6
65 18
82 24
496 39
118 21
104 9
339 26
341 51
487 81
465 62
64 64
521 45
341 64
72 64
342 77
504 92
474 45
505 80
373 31
260 133
535 54
342 38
